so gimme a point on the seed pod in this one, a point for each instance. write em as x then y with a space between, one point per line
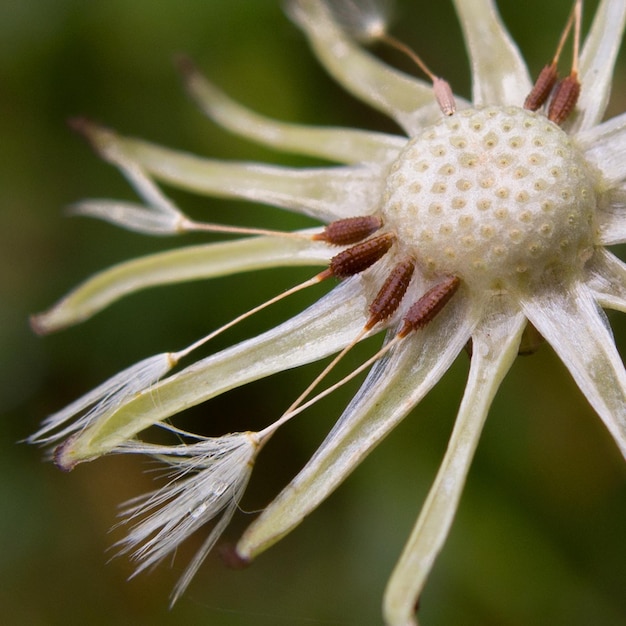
360 256
564 99
542 88
349 230
427 307
390 295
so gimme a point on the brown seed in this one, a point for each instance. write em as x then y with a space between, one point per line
360 256
564 99
390 295
427 307
349 230
542 88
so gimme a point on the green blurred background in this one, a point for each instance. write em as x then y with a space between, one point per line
541 533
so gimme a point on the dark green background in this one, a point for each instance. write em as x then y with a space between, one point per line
541 533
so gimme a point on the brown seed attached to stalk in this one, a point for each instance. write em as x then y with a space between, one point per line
565 95
349 230
429 305
548 76
390 295
387 300
564 99
359 257
541 89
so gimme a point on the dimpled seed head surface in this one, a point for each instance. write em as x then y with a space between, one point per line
497 196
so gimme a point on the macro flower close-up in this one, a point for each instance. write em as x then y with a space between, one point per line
479 232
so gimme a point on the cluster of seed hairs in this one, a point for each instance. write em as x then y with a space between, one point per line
367 247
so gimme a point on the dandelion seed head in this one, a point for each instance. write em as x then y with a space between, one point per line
486 209
487 224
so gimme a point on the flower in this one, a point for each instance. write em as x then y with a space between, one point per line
486 216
